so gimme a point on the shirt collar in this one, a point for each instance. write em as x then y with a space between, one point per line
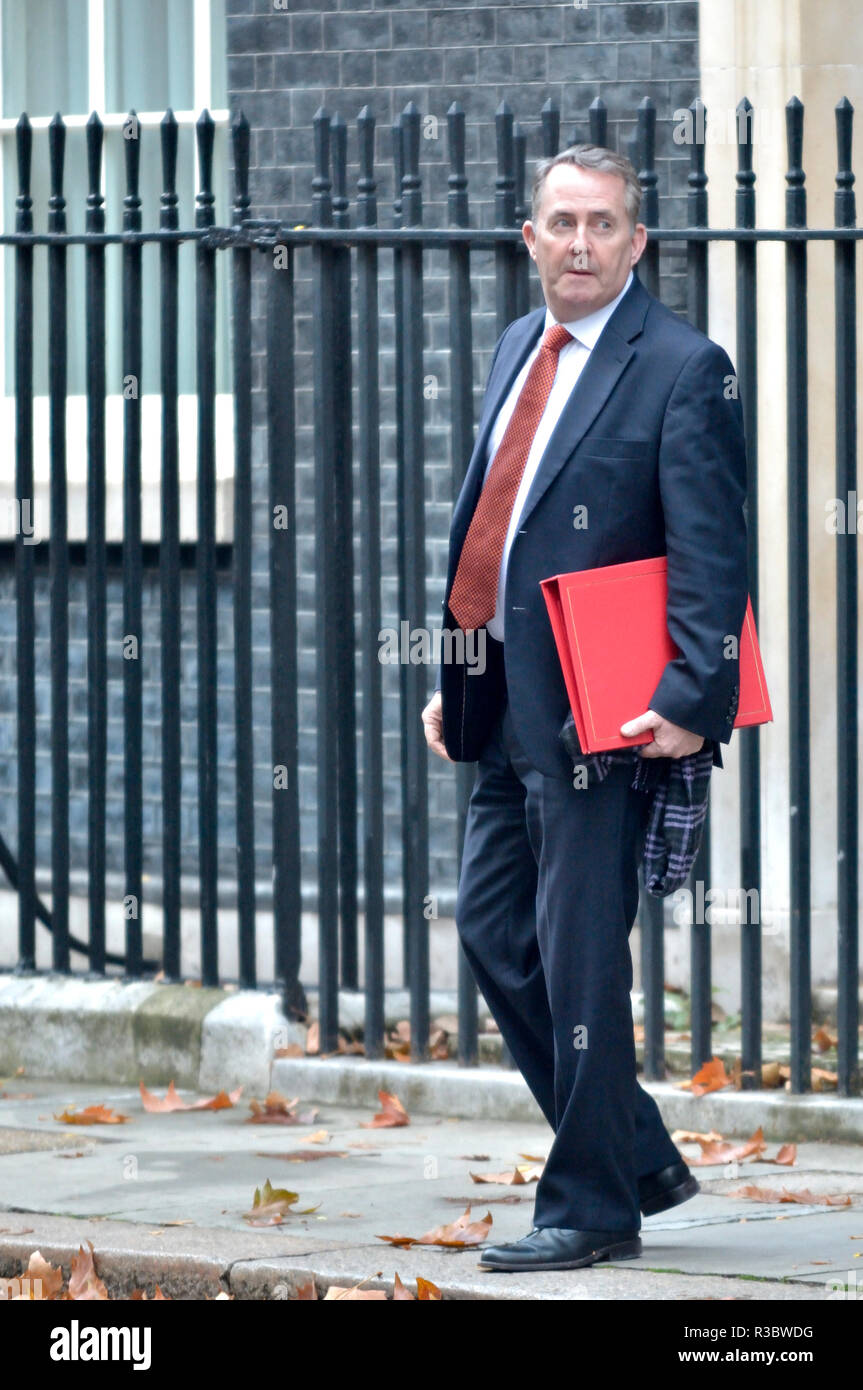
588 329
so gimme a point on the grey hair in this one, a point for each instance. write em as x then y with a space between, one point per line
591 157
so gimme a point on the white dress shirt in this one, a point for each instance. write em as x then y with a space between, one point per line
570 364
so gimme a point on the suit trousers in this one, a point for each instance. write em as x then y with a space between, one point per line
547 897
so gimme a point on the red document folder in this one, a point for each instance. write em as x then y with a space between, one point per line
613 641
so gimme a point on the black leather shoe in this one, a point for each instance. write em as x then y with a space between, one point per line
666 1188
556 1247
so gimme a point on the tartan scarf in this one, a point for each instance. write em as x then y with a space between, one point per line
679 787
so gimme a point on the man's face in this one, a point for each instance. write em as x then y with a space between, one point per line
582 241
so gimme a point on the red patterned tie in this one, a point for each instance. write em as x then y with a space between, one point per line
474 589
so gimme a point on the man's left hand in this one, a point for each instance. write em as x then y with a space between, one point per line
669 740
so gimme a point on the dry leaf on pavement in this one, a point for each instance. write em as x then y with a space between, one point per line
522 1173
804 1197
426 1291
456 1235
392 1115
84 1282
172 1101
276 1109
355 1294
271 1204
726 1151
787 1156
711 1077
91 1115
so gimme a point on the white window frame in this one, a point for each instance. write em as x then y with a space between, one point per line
76 405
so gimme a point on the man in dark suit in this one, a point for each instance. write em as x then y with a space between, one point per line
611 431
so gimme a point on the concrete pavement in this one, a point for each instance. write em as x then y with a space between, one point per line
122 1186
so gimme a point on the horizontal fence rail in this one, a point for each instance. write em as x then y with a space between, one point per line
341 256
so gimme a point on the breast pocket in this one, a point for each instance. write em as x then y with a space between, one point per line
596 446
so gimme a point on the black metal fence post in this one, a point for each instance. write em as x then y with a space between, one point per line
750 739
325 596
97 579
700 933
368 409
58 554
207 670
797 399
847 631
244 758
461 436
342 533
133 637
412 596
284 674
169 556
24 599
649 264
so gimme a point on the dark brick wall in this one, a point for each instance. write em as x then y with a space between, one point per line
282 65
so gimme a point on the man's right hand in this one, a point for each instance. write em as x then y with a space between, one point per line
432 718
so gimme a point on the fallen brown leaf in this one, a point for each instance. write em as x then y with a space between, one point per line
91 1115
824 1039
40 1282
155 1105
356 1294
771 1074
787 1156
84 1282
456 1235
307 1155
50 1275
824 1080
522 1173
427 1291
459 1233
711 1077
726 1151
803 1197
271 1204
278 1110
391 1116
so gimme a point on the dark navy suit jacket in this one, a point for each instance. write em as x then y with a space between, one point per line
651 442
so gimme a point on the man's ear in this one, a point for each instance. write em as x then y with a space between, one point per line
639 241
529 235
